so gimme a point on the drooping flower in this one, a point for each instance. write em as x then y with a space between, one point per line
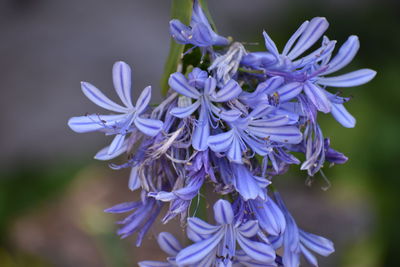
144 215
206 97
215 245
199 33
170 245
297 242
131 116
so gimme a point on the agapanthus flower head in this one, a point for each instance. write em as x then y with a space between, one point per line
229 124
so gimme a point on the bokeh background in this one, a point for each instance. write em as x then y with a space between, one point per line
52 193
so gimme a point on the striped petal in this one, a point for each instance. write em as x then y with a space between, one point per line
122 82
168 243
309 256
341 115
223 212
345 55
289 91
317 243
311 34
103 153
179 31
351 79
230 91
179 83
183 112
249 228
200 227
256 250
94 122
275 121
116 144
317 97
221 142
97 97
123 207
143 100
149 127
230 115
199 250
235 151
270 45
282 134
209 86
294 37
134 181
201 131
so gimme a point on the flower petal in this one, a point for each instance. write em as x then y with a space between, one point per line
179 83
341 115
168 243
311 34
116 144
249 228
230 91
256 250
122 82
230 115
316 243
309 256
143 100
220 142
201 131
294 37
235 151
134 181
97 97
199 250
282 134
270 45
345 55
95 122
223 212
351 79
103 153
149 127
183 112
123 207
209 86
201 227
289 91
317 97
179 31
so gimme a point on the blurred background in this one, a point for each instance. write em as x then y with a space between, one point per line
52 192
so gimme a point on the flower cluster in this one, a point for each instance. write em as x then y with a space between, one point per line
233 120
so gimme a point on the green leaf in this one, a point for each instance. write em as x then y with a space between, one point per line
182 10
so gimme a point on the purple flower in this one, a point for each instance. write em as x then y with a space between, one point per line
131 117
145 213
199 33
296 241
255 131
170 245
203 91
309 70
216 244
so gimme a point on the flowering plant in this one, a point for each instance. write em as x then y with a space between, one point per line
233 119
